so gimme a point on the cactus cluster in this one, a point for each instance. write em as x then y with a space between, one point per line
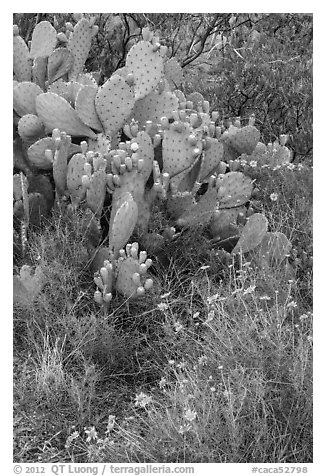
176 151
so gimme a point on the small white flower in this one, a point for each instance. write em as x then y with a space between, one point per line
204 267
273 197
177 326
253 163
291 166
91 434
212 299
190 415
265 298
162 306
142 400
111 422
202 360
291 305
162 382
210 317
184 429
249 290
165 295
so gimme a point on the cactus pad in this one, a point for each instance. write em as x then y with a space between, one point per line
85 107
96 191
173 72
22 63
212 156
122 222
242 140
75 171
44 39
252 233
114 102
30 128
56 113
25 95
234 190
59 63
27 285
273 249
79 46
202 212
147 67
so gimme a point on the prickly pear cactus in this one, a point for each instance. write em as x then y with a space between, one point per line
79 45
114 102
145 63
131 270
27 285
122 223
273 250
44 40
252 233
56 113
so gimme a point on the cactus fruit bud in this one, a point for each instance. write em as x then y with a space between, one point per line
62 37
86 181
83 146
206 106
143 268
15 30
98 297
148 263
164 122
283 139
192 139
193 119
163 50
140 291
156 47
251 121
157 140
69 26
107 298
215 116
142 257
148 284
